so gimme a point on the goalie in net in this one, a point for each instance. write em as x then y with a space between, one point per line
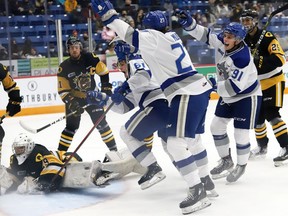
33 166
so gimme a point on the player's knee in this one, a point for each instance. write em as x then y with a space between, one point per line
219 126
275 121
241 136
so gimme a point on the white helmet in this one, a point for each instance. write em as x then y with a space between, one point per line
22 147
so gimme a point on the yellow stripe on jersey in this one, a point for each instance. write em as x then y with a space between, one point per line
267 83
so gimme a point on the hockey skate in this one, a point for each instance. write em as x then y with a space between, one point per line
223 169
209 186
258 152
236 173
153 175
195 201
282 158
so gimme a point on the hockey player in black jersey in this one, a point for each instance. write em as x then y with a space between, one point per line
269 59
75 78
13 106
34 169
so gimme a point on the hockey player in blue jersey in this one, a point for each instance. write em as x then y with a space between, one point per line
145 94
239 91
186 90
142 92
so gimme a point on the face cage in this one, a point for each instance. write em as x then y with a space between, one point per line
250 27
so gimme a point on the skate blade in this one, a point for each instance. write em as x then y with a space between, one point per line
212 193
204 203
156 178
280 163
257 157
221 175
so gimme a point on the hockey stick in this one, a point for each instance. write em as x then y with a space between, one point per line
34 131
285 7
81 143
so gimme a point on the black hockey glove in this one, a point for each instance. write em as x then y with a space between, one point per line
106 88
13 105
74 106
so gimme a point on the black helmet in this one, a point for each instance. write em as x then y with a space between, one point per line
250 13
73 41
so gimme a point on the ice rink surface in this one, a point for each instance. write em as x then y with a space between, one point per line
261 191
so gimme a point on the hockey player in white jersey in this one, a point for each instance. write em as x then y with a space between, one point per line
186 90
239 91
143 85
142 92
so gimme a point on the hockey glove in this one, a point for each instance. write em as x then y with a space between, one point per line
13 105
106 10
123 89
106 88
213 83
120 92
96 98
74 106
184 19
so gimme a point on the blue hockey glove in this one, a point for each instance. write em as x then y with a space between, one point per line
184 19
123 89
120 92
96 98
105 9
213 83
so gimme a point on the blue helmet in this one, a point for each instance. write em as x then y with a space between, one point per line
155 20
236 29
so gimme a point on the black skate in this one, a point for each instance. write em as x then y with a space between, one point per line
282 158
236 173
209 186
153 175
224 167
195 201
258 152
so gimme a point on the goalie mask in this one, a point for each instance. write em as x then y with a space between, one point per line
22 146
249 19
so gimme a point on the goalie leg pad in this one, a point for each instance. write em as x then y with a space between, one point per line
6 179
81 174
122 162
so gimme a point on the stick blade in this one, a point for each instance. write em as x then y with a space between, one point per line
27 128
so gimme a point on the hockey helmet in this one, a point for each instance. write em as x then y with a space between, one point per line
73 41
156 20
251 15
236 29
22 146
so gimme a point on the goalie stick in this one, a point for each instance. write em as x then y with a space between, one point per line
80 144
285 7
34 131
